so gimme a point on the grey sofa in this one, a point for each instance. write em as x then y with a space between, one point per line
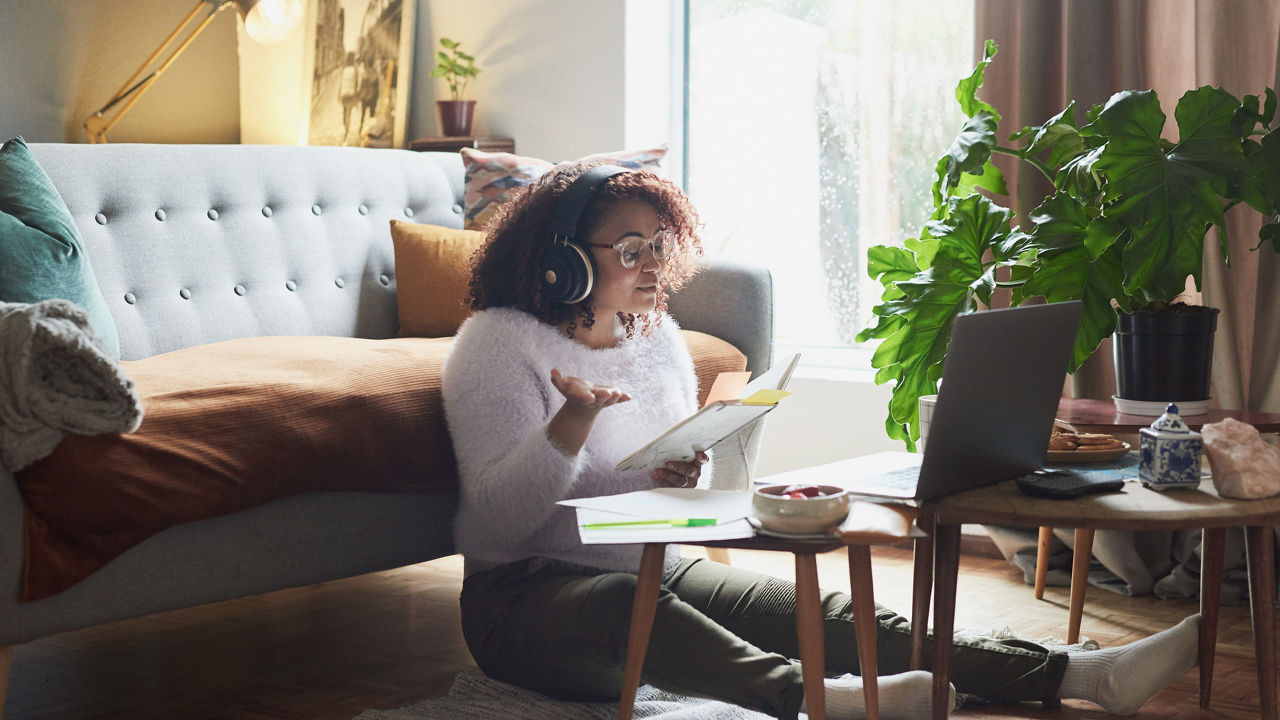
184 241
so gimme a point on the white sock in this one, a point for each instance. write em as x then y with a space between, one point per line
1121 679
907 696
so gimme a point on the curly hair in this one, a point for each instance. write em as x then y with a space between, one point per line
505 269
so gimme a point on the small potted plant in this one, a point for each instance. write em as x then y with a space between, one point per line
457 68
1121 231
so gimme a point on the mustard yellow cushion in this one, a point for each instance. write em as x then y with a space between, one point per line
433 271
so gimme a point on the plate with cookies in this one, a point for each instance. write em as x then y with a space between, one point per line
1070 447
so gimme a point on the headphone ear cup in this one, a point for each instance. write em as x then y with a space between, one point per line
567 273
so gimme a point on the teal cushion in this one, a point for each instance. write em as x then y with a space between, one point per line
41 254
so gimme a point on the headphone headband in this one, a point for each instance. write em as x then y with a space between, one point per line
575 199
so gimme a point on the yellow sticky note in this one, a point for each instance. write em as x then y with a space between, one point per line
728 386
765 397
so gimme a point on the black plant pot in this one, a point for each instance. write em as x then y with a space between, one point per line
1165 356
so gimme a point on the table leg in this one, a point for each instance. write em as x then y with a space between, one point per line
643 608
921 588
1258 545
1042 559
809 633
862 591
946 571
1212 546
1082 551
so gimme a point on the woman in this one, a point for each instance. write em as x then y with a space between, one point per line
557 377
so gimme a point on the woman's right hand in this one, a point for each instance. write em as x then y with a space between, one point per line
583 400
583 394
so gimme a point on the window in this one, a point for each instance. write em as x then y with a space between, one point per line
813 128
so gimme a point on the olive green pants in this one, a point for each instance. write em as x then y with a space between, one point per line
720 632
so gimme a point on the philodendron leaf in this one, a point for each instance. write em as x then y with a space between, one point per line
1059 136
970 152
1077 260
1166 195
966 90
916 324
991 180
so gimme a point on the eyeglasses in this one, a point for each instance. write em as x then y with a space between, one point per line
629 248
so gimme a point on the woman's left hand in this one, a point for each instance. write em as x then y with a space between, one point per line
680 474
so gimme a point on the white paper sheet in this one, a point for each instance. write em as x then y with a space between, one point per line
730 530
663 503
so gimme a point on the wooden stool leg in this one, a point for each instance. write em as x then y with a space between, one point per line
643 608
1258 544
1212 546
1082 551
862 591
809 633
718 554
6 663
1042 559
946 571
921 589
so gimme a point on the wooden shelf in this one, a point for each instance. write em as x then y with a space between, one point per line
441 143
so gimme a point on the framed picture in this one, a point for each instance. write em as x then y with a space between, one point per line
357 65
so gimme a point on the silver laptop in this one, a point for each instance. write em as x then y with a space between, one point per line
1001 382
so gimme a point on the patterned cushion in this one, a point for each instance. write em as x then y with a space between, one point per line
492 177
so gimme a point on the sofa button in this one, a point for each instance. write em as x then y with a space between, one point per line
340 282
160 215
213 214
266 212
363 209
457 209
130 298
185 293
291 286
100 219
408 212
315 209
239 290
384 279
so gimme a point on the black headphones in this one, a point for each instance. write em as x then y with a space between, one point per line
566 269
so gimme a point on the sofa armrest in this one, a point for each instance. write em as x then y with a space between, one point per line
733 301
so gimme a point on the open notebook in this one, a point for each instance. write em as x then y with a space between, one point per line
716 422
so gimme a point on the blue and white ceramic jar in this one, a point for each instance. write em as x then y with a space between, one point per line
1170 453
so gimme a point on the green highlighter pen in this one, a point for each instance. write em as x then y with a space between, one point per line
673 522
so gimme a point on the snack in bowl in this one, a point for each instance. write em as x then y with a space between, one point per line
800 509
1067 446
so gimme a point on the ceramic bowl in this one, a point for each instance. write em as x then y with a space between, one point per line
794 515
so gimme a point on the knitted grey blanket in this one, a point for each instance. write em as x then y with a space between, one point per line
476 697
56 377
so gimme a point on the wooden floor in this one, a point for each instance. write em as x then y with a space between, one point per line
387 639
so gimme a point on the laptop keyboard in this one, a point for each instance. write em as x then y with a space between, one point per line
904 479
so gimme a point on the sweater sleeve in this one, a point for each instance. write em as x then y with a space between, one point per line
497 407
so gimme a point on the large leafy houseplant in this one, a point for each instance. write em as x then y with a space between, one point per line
1123 227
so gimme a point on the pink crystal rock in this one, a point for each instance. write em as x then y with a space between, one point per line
1244 466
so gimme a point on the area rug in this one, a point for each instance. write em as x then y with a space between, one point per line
476 697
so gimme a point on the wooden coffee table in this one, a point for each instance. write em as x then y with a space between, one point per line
1135 508
1101 416
868 524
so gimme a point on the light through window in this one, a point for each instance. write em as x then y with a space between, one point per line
813 130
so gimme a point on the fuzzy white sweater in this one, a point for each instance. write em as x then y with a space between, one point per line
498 400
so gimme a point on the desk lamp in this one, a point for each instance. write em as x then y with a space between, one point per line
266 21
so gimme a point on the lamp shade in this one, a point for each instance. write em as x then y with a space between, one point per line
270 21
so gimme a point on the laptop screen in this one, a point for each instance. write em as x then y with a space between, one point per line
1001 381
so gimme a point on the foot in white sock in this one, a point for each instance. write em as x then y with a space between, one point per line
1121 679
907 696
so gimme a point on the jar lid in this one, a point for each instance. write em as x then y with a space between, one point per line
1170 421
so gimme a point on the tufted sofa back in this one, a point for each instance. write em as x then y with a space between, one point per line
193 244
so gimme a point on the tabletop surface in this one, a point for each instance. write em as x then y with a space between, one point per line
1133 508
1101 416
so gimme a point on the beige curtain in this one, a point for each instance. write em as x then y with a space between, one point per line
1052 51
